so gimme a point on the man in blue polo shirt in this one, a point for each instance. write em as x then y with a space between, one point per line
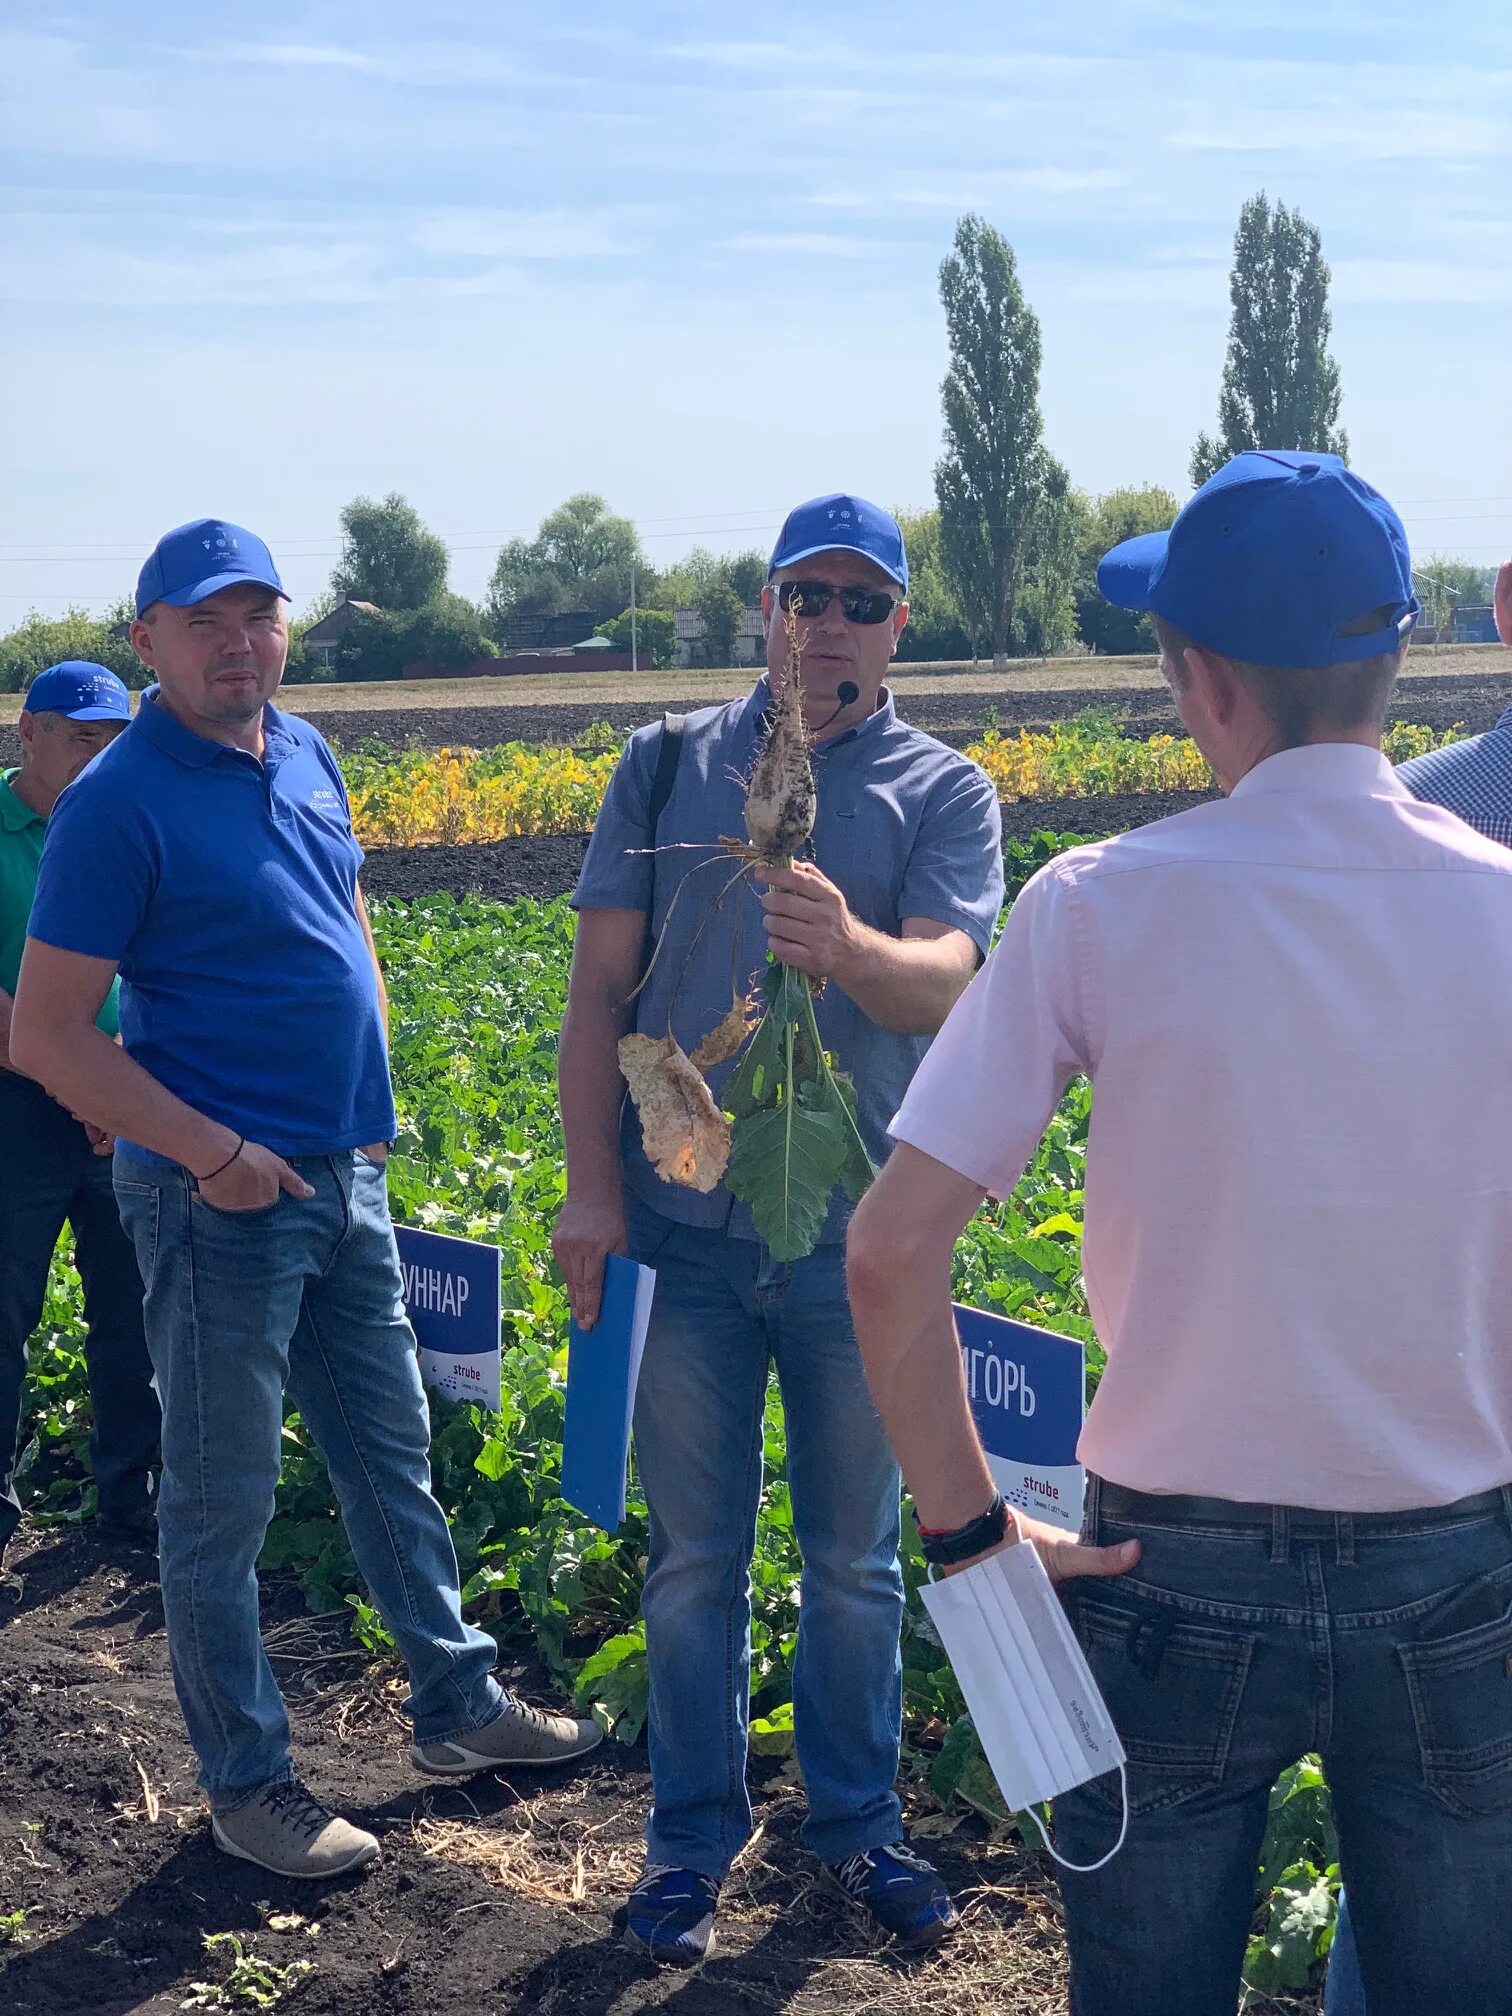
252 1107
57 1170
894 912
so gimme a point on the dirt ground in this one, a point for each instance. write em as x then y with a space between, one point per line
505 870
495 1898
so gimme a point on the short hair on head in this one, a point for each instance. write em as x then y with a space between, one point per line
1303 702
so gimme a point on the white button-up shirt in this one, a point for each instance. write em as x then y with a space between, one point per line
1295 1006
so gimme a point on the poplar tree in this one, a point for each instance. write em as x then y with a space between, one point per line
991 479
1280 386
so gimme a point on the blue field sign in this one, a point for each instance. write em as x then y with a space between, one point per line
453 1290
1027 1389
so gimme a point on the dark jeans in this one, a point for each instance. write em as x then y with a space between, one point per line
50 1178
1247 1636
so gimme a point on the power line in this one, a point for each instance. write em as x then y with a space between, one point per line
315 546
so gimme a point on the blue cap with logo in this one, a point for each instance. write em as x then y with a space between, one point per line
197 560
1281 558
79 689
830 524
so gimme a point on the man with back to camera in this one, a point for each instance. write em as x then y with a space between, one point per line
895 916
253 1107
57 1169
1472 778
1292 1005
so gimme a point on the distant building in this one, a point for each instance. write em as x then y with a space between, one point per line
1475 623
750 645
1470 623
322 638
557 632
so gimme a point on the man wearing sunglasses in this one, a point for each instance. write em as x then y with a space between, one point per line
894 912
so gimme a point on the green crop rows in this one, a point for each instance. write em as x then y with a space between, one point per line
477 994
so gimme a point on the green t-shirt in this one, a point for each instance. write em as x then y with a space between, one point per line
21 835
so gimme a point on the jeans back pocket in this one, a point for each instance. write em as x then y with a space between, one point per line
1173 1688
1460 1687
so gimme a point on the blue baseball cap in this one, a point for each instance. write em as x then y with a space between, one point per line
197 560
833 524
79 689
1276 560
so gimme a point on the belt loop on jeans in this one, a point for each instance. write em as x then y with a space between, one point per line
1506 1499
1344 1539
1092 1508
1280 1534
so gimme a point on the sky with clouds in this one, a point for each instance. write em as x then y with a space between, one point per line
687 255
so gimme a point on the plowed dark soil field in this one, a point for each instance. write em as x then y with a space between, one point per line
1441 701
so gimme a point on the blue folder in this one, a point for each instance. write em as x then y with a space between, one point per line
603 1365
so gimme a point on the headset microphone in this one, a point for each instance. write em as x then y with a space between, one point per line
847 693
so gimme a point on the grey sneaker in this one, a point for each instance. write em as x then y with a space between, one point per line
520 1735
287 1830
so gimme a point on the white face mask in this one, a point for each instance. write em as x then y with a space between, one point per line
1039 1717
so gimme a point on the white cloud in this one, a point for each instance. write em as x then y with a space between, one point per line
50 261
933 195
287 55
541 234
826 244
754 56
1448 134
1438 283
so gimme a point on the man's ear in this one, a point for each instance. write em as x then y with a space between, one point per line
768 604
899 623
1214 681
141 642
1504 604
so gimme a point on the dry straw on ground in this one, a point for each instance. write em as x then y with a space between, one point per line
555 1851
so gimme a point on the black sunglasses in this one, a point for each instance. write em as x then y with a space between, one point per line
857 605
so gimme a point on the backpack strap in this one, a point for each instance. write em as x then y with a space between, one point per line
668 756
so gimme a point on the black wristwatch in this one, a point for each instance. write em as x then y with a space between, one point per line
986 1530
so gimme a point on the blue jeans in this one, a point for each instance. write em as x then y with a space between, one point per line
304 1293
1344 1993
723 1314
1247 1636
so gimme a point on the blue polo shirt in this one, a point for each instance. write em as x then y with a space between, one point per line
225 890
905 828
